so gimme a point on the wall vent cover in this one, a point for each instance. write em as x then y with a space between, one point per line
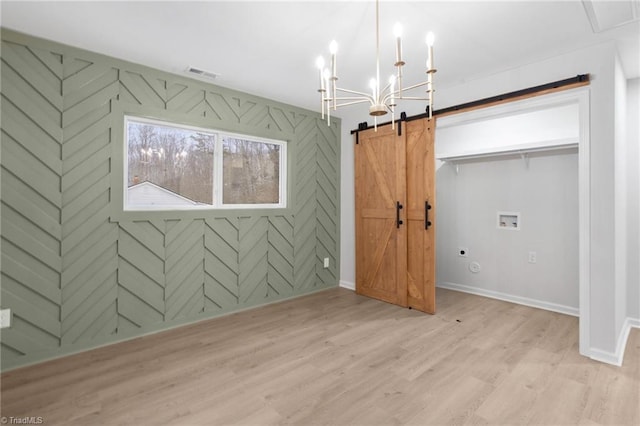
202 73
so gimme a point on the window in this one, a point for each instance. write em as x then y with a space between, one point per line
176 167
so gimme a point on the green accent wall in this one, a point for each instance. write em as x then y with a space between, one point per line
79 273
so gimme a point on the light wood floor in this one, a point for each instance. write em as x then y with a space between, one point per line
338 358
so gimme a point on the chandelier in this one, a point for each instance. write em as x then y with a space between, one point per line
381 100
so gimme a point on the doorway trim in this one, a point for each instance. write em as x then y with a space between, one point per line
569 96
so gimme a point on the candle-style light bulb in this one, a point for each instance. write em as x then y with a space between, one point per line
430 38
397 31
430 41
320 65
333 47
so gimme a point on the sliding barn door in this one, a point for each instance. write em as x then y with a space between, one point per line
381 237
395 214
421 215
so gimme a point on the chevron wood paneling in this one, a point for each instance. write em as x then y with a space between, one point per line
73 275
221 266
141 90
327 195
280 255
184 268
305 231
31 202
89 275
252 259
141 254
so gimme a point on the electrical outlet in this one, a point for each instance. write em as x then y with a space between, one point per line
5 318
463 252
326 262
533 257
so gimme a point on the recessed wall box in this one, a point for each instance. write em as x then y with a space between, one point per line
509 221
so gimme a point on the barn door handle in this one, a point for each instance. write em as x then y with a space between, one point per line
398 208
427 222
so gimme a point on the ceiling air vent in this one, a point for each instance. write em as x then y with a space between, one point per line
202 73
605 15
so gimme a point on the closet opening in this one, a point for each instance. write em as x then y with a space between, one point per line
512 184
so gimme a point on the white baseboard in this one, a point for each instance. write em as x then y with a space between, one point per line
617 357
606 357
348 285
540 304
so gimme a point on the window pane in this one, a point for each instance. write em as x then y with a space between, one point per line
169 166
251 172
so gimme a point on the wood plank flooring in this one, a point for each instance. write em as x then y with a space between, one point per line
338 358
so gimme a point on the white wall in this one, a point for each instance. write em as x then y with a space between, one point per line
599 338
542 188
350 118
545 193
620 199
633 201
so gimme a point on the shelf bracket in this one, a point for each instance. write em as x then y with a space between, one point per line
525 158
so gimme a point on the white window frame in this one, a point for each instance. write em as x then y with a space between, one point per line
218 170
218 174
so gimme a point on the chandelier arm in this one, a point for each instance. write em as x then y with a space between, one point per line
415 86
412 98
390 94
355 92
386 99
387 87
353 98
352 103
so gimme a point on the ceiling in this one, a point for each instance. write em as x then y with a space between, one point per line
268 48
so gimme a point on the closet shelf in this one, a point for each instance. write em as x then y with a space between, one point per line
522 150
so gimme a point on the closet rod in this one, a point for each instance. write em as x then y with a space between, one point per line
568 83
